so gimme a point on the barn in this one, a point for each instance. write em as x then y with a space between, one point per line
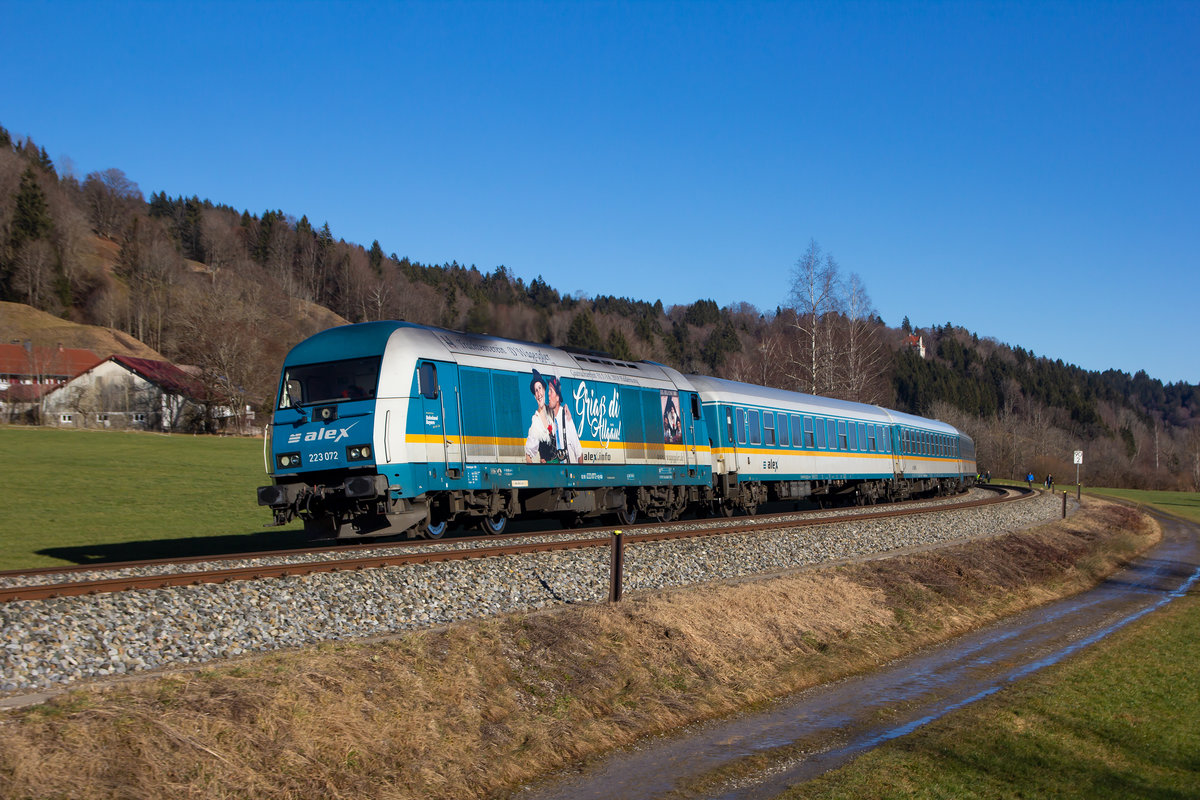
127 392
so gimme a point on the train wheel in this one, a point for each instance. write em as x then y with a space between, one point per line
435 530
627 515
493 525
727 509
751 509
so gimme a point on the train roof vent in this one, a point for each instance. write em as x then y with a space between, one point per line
605 361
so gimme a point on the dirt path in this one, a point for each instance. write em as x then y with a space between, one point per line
820 729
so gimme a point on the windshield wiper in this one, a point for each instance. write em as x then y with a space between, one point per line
287 388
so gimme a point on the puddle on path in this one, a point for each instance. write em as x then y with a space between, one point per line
824 727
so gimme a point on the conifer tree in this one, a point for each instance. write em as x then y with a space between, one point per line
375 257
722 340
31 218
583 332
618 346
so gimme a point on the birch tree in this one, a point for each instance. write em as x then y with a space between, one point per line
864 355
814 296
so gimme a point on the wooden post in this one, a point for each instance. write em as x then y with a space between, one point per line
618 567
1064 505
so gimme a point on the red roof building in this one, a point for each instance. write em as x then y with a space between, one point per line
916 343
44 366
129 392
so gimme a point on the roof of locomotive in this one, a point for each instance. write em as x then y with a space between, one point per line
472 349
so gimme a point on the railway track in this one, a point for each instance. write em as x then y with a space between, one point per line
155 574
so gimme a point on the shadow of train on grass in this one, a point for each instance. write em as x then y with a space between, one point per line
230 544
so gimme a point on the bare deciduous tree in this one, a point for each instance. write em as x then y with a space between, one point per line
33 272
814 295
111 199
223 327
151 266
221 243
864 355
838 350
1192 449
379 300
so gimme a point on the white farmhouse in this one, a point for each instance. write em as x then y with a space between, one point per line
128 392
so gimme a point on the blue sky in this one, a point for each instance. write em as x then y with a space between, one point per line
1030 171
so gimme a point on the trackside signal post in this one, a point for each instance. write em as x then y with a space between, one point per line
1078 463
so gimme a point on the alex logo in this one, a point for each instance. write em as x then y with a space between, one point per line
324 435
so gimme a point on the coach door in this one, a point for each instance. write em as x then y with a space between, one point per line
440 424
897 451
691 417
731 433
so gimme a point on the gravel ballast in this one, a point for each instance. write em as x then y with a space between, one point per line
49 643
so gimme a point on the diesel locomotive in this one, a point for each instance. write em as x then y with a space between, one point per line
392 428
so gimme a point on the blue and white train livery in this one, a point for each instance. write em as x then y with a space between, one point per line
391 428
772 444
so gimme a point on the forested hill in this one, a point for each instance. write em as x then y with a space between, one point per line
229 291
988 378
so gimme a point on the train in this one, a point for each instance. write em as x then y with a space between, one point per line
398 429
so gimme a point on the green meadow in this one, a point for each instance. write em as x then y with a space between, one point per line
1121 719
77 496
1180 504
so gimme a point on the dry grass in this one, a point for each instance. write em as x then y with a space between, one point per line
478 708
20 322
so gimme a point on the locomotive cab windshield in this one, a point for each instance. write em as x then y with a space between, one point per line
330 382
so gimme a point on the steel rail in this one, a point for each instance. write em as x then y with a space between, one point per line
378 544
643 532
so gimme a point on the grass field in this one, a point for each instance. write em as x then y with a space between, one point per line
88 496
1181 504
1121 719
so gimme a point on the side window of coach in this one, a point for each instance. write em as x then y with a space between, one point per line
741 426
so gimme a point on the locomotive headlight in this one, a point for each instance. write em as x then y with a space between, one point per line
358 452
288 460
